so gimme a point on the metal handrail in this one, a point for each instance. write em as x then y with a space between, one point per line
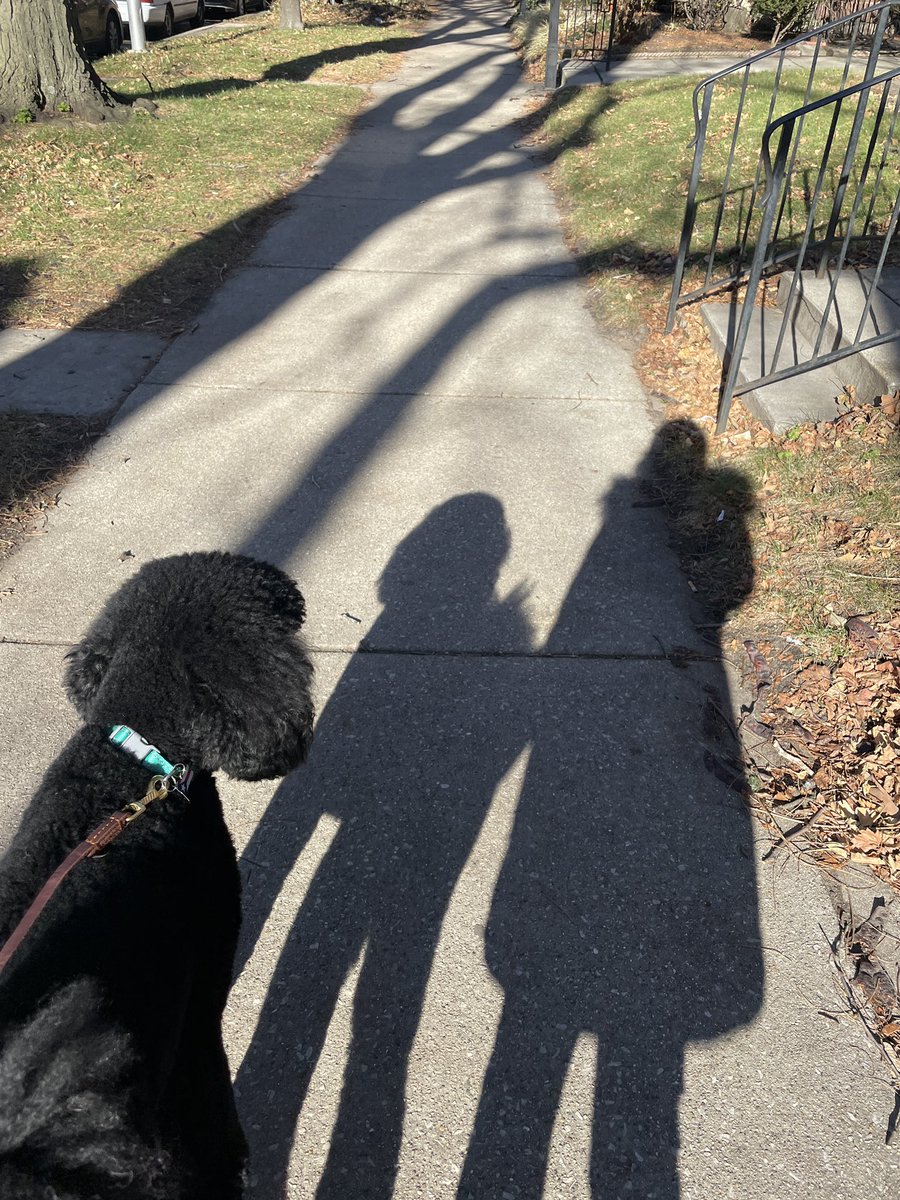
789 120
777 176
702 99
782 49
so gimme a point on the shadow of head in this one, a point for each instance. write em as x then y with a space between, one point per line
709 509
439 587
453 558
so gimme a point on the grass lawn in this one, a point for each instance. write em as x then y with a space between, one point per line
131 225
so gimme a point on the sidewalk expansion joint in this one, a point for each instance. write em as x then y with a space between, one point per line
567 271
374 393
12 641
678 656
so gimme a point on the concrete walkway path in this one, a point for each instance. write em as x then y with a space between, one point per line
506 936
654 65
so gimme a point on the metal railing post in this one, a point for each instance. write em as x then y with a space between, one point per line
612 34
552 69
690 209
858 117
773 191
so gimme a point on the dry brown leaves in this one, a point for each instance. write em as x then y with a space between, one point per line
37 452
823 737
824 743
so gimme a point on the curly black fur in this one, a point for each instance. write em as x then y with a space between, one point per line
113 1077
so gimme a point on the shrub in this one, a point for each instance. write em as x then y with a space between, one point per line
787 16
705 14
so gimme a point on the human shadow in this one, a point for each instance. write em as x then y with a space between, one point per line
625 913
409 751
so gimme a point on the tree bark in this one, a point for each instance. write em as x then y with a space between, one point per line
291 15
43 68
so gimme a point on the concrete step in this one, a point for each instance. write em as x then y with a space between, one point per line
812 395
780 406
874 371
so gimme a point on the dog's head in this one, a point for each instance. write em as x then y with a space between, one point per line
200 654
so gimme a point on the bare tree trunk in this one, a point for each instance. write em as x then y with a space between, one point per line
43 68
291 16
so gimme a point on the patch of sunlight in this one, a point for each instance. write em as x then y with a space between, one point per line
568 1165
249 991
460 1016
458 139
316 1122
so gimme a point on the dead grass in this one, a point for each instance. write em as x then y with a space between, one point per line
132 225
36 455
819 508
792 544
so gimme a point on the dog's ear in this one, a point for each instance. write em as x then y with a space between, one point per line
87 665
287 601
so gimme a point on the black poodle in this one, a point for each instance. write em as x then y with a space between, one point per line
113 1079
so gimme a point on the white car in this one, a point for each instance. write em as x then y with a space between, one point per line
161 16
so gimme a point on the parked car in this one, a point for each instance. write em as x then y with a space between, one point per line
100 25
237 8
161 16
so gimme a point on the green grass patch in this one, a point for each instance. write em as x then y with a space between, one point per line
622 162
131 225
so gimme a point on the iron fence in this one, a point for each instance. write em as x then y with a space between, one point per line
862 205
722 232
834 10
585 29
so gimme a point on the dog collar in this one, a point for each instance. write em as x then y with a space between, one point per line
149 756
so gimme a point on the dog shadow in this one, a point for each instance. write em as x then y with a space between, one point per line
408 754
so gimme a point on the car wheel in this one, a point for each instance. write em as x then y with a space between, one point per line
200 15
114 38
240 8
168 25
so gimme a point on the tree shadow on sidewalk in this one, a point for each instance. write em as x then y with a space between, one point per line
35 448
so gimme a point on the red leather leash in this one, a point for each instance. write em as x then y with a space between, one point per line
97 840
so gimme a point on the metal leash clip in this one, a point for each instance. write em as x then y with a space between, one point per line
158 787
179 780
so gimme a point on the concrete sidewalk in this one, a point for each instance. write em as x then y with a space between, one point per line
506 936
625 66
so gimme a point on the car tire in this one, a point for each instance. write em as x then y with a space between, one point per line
200 15
112 43
168 24
240 8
